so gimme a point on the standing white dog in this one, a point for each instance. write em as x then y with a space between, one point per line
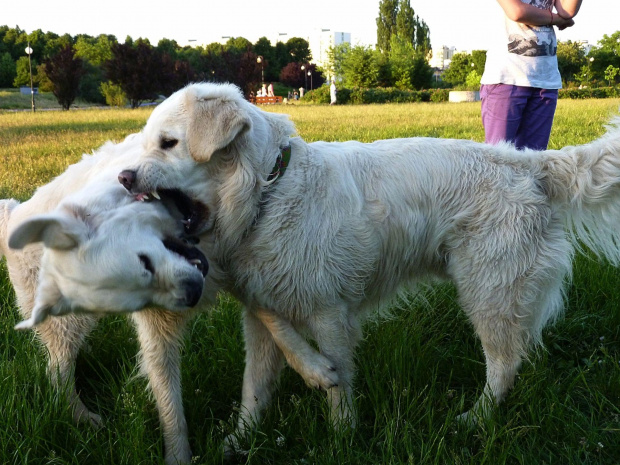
317 245
85 245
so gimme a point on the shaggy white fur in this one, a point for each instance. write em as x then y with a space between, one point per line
350 224
85 245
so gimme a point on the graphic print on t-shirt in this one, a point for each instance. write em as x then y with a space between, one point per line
532 41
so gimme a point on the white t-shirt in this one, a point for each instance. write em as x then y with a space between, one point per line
524 55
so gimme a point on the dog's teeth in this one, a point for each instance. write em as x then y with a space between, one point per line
156 195
145 197
195 261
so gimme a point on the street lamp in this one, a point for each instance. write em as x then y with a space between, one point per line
29 52
303 70
259 59
310 74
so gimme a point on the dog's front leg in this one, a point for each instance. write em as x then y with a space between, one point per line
337 333
317 370
160 335
63 338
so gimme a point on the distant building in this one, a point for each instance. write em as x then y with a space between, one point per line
441 57
321 42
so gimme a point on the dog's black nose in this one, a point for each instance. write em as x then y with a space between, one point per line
127 178
193 292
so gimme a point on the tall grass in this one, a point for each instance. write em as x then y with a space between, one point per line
416 370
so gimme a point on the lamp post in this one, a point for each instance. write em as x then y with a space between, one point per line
303 70
310 74
29 52
259 59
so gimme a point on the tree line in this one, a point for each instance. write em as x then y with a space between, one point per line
101 69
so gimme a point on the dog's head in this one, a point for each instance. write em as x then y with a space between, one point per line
207 141
118 260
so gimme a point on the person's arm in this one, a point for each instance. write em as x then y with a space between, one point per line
524 13
567 9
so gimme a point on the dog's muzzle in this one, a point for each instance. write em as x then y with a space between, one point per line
194 214
194 256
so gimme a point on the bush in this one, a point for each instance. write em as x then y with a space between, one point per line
114 95
361 95
590 92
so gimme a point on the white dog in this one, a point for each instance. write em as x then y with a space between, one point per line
317 245
96 249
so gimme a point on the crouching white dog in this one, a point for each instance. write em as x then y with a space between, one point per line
82 244
320 243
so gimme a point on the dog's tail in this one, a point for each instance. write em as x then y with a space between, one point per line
586 181
6 205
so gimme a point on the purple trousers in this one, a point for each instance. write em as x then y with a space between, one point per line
521 115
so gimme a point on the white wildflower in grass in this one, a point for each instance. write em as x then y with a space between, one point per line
280 441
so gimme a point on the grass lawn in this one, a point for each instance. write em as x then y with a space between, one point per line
417 370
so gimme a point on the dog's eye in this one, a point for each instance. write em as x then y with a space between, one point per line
166 144
146 263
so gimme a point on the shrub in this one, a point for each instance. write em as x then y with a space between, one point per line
590 92
114 95
362 95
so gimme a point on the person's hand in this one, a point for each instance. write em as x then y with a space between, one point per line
563 23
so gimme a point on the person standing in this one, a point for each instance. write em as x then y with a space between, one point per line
332 92
519 86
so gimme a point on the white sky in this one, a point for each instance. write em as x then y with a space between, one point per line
453 22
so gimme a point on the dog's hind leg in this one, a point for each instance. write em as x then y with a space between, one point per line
337 332
263 363
160 335
63 338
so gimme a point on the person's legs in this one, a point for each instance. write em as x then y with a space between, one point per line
537 119
502 107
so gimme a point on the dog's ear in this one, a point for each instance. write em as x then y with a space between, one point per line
214 124
54 230
48 301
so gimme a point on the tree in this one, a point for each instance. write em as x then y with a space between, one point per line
396 17
8 71
611 73
299 50
460 67
386 24
22 70
411 28
95 51
360 67
292 75
65 70
140 71
409 67
479 59
571 57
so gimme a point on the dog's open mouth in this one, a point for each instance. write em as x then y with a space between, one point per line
189 253
193 213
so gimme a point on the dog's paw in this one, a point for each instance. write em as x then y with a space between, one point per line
85 416
231 448
24 325
467 419
321 373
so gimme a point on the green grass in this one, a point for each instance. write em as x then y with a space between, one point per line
13 99
416 370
